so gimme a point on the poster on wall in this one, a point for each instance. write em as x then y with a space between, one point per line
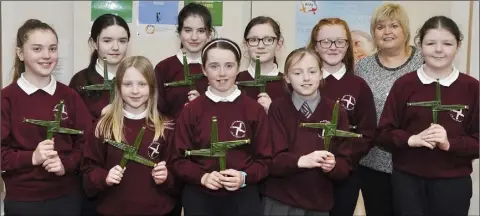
120 8
215 8
157 16
357 14
62 71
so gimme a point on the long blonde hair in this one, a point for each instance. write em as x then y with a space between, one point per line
110 125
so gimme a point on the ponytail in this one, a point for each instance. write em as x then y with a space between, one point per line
18 69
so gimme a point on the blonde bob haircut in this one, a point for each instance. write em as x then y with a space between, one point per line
391 11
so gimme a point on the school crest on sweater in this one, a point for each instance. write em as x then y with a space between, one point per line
153 150
457 115
154 147
64 112
238 129
348 102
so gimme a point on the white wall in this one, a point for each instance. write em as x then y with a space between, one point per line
15 13
474 71
474 63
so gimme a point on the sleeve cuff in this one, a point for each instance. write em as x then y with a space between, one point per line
244 177
291 162
101 179
68 164
340 171
169 182
195 177
95 182
24 159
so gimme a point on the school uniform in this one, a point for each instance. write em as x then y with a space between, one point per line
32 189
172 99
275 89
95 100
238 117
291 190
439 181
137 193
357 100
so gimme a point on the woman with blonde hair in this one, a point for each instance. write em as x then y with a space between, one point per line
395 57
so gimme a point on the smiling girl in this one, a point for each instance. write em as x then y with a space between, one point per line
136 189
332 40
263 38
109 37
40 175
302 171
433 160
208 190
195 30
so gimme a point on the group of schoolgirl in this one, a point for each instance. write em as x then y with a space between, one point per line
283 169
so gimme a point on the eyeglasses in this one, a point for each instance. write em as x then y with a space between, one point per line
326 43
267 41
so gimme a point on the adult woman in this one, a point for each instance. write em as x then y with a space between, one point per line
394 58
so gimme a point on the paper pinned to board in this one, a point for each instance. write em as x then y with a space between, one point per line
63 72
155 17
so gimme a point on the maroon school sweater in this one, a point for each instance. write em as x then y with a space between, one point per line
275 89
193 129
309 189
357 99
137 193
24 181
171 100
95 100
398 122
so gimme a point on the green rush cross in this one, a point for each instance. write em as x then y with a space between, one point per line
436 105
259 81
330 128
54 126
217 149
108 84
130 152
189 79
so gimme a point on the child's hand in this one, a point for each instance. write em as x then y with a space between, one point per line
329 163
264 100
55 165
418 141
115 175
160 173
438 135
314 159
192 95
231 179
43 151
212 180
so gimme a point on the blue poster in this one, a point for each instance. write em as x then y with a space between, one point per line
357 14
158 12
